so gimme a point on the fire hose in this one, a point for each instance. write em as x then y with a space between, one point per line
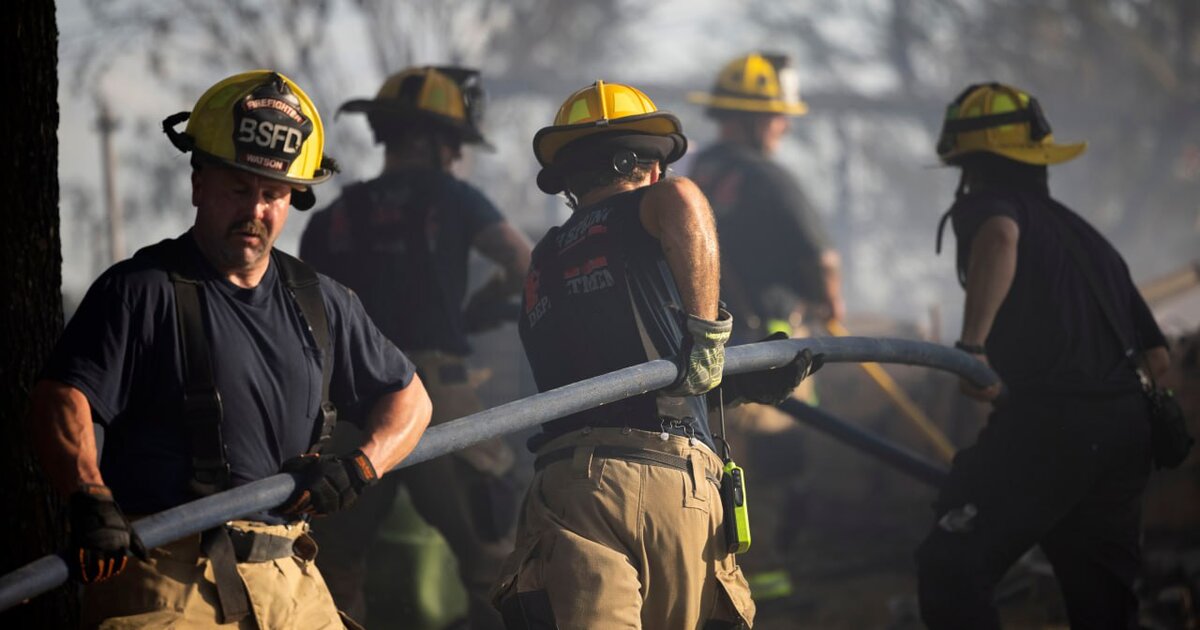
190 518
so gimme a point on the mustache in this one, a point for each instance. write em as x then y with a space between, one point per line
252 228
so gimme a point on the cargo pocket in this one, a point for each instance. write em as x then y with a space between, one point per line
734 605
144 594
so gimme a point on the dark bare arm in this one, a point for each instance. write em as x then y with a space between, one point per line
990 272
395 425
502 244
831 272
676 213
63 436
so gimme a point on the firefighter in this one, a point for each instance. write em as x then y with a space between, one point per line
623 523
401 241
1064 458
213 360
779 275
778 267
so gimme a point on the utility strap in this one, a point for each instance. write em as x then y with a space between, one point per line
202 410
305 287
232 596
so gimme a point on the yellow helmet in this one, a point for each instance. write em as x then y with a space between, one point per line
612 116
1000 119
757 82
449 95
262 122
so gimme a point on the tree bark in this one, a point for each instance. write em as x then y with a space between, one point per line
31 318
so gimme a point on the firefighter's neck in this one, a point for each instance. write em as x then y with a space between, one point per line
745 134
419 156
597 195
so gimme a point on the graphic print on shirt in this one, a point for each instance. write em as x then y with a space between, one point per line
535 305
592 275
594 224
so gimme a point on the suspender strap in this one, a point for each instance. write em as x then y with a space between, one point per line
1098 292
202 412
305 288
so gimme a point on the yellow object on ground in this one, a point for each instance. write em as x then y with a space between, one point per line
911 411
770 585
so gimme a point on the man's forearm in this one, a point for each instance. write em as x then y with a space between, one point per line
504 245
63 436
831 274
395 425
677 214
990 272
692 258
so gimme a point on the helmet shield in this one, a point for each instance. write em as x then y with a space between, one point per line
269 128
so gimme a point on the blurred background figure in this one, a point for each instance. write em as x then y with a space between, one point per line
778 267
401 242
778 273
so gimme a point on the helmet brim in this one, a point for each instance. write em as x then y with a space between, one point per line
1045 154
741 104
595 149
548 141
302 192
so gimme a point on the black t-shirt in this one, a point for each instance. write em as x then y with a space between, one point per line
771 238
1050 334
599 297
401 242
122 350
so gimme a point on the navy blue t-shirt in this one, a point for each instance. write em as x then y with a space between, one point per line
771 237
401 242
599 297
1050 335
123 351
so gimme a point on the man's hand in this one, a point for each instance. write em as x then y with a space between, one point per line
327 483
767 387
101 537
702 357
985 394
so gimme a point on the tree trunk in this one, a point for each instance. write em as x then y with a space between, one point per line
31 309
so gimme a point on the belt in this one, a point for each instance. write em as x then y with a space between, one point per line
259 547
225 547
626 453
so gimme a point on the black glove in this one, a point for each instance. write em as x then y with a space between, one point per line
771 386
327 483
485 314
101 536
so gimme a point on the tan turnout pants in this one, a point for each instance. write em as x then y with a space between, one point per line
615 544
175 589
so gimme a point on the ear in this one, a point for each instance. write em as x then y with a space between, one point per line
657 172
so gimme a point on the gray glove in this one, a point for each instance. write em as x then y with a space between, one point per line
702 357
